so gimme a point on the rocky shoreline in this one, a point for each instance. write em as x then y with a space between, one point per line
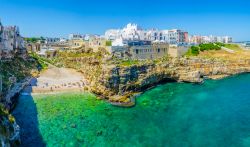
12 95
121 85
10 130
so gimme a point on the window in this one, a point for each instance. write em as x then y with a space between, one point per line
159 50
137 51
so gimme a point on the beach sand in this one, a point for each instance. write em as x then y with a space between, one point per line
56 79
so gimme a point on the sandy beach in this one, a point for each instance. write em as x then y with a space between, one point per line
56 79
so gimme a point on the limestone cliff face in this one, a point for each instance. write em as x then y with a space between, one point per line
9 130
119 84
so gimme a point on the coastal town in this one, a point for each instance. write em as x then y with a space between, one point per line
134 73
129 43
116 67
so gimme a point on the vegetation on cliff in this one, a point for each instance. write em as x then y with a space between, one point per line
12 71
195 50
42 61
35 39
17 69
108 43
9 133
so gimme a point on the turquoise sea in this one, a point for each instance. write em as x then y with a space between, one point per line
212 114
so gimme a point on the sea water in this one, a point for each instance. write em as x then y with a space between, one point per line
215 113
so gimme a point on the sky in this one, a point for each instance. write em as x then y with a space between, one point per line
58 18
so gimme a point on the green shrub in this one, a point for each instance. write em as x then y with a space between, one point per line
108 43
193 51
209 46
220 44
129 62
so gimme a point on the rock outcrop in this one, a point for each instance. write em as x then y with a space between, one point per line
11 97
15 75
120 81
9 130
120 85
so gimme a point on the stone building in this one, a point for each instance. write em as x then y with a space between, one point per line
33 47
149 50
11 42
76 43
140 50
177 50
96 43
145 49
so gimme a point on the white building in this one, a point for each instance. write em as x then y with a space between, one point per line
130 32
227 39
196 39
176 36
118 42
135 33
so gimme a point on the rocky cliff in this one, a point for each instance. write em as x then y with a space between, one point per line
119 84
9 130
14 74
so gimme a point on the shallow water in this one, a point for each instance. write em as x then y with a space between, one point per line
216 113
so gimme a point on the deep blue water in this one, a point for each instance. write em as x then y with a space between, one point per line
216 113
